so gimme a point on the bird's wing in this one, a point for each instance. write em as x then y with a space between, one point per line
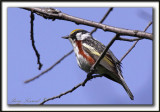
109 61
106 62
95 48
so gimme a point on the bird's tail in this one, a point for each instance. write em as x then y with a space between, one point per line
127 89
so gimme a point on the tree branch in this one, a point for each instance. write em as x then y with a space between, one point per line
135 43
29 80
148 26
50 13
32 39
69 91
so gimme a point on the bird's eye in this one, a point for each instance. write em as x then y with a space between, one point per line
73 37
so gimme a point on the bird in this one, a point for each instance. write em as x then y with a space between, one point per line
88 50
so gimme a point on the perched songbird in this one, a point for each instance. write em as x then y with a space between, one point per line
88 50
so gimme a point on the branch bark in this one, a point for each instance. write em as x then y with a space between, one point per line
50 13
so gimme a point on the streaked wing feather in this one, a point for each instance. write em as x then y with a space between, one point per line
105 62
111 69
100 48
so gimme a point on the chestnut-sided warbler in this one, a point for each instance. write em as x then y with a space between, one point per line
88 50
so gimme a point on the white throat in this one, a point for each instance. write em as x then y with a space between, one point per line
81 36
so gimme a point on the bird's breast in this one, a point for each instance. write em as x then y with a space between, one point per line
83 53
84 60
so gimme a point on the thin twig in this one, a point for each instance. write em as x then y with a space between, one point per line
128 51
135 43
32 39
105 16
29 80
148 26
69 91
92 69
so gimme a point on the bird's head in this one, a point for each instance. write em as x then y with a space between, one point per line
78 35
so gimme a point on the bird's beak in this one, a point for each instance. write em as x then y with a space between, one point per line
66 37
